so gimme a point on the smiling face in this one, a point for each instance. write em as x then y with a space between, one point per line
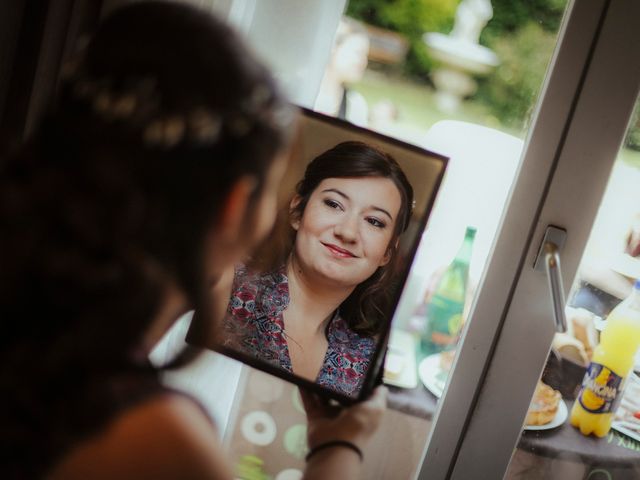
346 229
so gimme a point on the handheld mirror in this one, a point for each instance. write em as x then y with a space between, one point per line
314 303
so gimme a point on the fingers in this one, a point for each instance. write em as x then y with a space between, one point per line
374 406
379 397
356 423
370 410
310 402
316 406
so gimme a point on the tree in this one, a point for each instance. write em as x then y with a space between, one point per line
411 18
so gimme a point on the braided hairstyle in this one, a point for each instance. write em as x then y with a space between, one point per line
112 197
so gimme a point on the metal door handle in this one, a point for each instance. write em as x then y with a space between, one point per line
549 259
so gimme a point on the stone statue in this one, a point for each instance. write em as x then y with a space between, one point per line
471 17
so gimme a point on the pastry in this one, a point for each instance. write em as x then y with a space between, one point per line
544 405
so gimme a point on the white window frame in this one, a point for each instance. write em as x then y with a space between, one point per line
577 130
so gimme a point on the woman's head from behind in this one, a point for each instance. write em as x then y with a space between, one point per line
348 213
179 96
163 140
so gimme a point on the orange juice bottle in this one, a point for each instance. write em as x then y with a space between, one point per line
612 361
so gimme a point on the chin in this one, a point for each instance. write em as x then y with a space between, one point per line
333 275
338 277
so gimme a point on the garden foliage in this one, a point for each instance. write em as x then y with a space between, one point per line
411 18
521 32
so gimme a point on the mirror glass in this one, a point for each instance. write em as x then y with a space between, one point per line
314 303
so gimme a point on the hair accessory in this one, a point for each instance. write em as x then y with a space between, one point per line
136 102
334 443
203 126
165 132
257 98
102 103
124 106
239 125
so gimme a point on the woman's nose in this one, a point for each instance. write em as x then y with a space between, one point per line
347 228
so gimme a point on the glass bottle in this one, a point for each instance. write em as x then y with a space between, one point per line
445 308
612 361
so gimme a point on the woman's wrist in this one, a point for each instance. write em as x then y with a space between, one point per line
353 434
334 444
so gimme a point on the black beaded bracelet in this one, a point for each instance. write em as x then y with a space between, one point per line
334 443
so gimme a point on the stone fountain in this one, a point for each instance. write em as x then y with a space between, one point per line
459 55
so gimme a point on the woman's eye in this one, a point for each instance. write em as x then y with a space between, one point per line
376 223
332 203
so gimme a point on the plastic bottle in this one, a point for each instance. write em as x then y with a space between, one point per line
444 311
612 361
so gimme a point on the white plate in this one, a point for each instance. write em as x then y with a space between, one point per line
432 375
559 419
434 378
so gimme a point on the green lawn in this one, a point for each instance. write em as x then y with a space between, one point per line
418 112
416 104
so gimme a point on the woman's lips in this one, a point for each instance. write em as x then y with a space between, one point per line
337 251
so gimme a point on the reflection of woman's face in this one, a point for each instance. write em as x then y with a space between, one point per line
345 230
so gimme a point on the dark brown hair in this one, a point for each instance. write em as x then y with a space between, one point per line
112 197
153 125
367 305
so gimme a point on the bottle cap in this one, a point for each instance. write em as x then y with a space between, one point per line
636 284
470 231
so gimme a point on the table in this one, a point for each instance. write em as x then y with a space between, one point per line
418 401
614 451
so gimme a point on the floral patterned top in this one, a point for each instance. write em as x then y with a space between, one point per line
254 324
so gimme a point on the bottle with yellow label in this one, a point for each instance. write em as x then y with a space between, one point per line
612 361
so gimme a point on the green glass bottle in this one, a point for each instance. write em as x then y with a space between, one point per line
444 311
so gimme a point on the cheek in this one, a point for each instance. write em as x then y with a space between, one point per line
305 234
315 220
376 245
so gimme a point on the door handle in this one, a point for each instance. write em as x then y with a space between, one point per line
548 260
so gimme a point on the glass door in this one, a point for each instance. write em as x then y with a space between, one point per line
561 184
550 447
498 150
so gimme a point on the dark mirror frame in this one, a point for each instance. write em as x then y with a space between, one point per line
373 376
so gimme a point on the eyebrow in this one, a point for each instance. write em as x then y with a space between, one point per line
345 196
